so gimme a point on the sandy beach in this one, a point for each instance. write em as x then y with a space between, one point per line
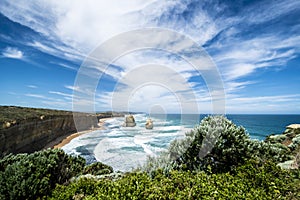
62 141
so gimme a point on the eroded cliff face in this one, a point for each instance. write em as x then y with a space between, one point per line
34 134
30 129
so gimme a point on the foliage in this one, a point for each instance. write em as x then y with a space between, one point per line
217 144
295 143
28 176
216 160
97 168
276 138
253 180
16 115
296 162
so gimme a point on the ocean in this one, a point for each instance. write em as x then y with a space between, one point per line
125 148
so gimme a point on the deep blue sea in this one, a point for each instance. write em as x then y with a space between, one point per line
125 148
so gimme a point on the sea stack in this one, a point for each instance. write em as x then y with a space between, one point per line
129 121
149 124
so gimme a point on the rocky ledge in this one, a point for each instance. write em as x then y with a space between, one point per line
291 139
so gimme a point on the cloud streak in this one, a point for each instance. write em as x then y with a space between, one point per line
242 39
11 52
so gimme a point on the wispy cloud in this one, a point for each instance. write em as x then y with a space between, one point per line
36 96
61 94
11 52
265 11
67 66
242 40
32 86
71 87
243 57
265 104
64 103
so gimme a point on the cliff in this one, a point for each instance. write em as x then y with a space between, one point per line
31 129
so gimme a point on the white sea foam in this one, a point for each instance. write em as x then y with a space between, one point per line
125 148
142 140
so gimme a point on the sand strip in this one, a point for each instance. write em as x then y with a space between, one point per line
62 141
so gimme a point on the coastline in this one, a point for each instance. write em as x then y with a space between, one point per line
62 141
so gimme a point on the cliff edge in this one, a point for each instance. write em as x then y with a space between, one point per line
30 129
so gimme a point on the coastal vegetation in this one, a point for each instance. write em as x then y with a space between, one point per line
14 115
219 145
216 160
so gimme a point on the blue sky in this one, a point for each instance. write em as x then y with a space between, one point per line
255 46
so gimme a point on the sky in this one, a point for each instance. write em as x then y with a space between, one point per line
252 48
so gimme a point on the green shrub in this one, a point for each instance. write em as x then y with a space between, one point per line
253 180
97 168
295 143
28 176
275 138
217 144
296 162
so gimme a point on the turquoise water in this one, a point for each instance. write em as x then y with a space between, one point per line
260 126
125 148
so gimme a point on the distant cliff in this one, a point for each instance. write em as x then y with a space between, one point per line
31 129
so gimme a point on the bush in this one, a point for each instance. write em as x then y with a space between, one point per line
276 138
216 145
253 180
295 143
29 176
97 168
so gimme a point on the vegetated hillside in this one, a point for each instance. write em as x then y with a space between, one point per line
235 168
30 129
13 115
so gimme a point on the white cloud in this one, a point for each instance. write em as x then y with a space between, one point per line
67 66
32 86
36 96
11 52
243 58
64 103
71 87
61 94
265 11
264 104
75 28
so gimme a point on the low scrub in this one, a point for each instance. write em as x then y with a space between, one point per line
252 180
216 160
29 176
97 168
217 145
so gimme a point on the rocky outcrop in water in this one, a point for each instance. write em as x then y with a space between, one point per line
149 124
129 121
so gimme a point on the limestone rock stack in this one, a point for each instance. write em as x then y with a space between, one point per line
129 121
149 124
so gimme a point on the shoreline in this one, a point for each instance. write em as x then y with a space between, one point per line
62 141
